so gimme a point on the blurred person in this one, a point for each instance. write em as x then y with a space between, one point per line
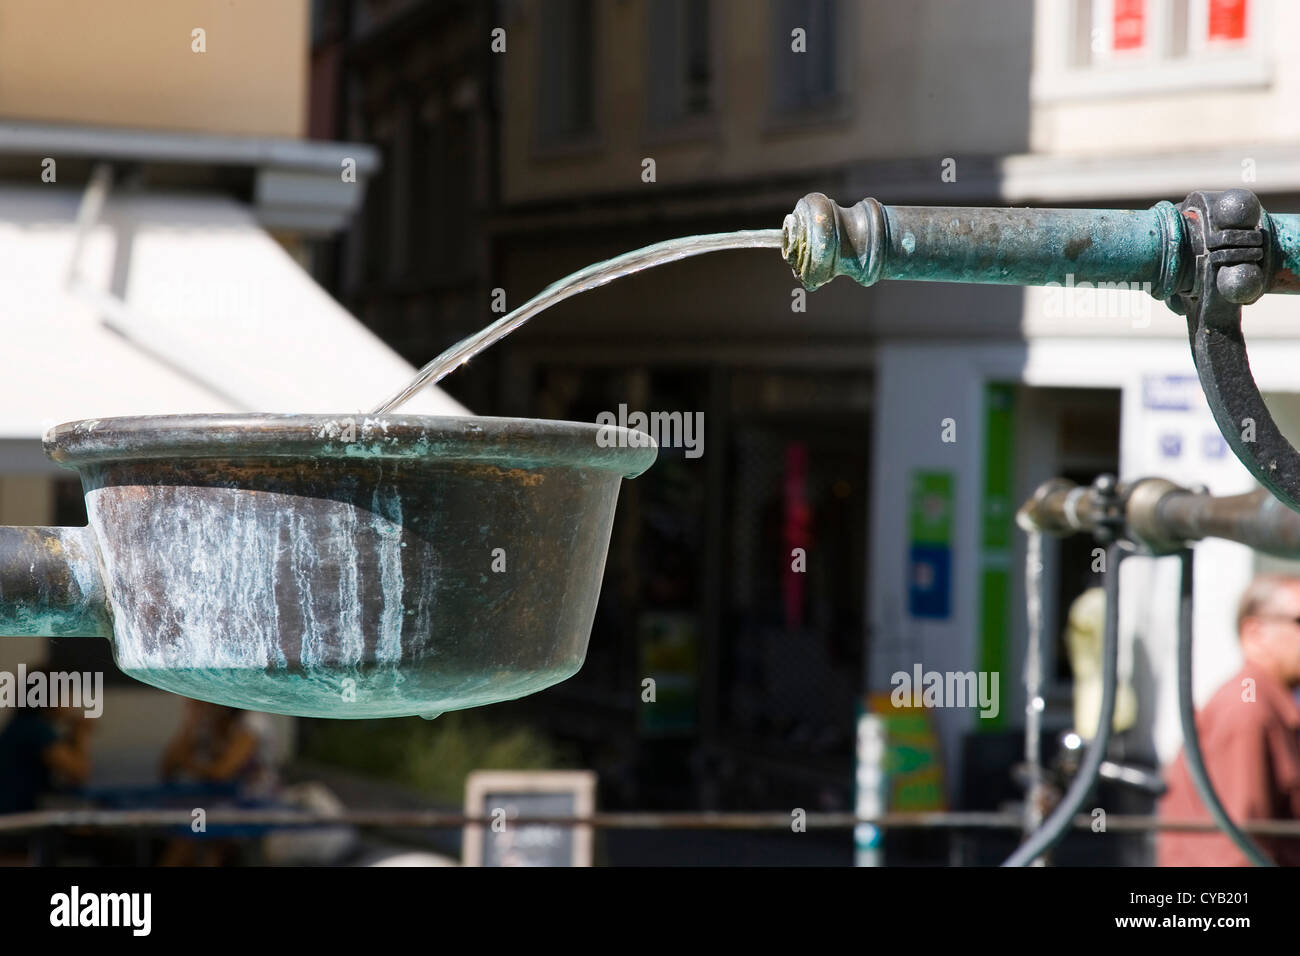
43 749
221 745
227 748
1250 737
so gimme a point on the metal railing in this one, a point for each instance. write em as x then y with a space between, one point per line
146 819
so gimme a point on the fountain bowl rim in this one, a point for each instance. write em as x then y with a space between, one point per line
431 439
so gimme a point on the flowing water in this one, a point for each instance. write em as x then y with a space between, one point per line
1034 796
583 280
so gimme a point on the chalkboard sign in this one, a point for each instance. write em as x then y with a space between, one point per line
503 796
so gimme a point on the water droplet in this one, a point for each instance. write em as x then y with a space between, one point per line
432 715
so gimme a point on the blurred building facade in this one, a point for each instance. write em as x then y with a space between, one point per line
160 206
601 127
412 80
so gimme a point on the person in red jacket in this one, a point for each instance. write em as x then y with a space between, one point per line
1250 737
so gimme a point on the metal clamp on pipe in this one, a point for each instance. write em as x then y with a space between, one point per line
1205 258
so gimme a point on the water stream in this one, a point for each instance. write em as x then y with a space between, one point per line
583 280
1034 705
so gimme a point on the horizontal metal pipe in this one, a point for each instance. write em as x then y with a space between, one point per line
50 585
433 819
1164 517
1286 236
1255 518
1024 246
1140 249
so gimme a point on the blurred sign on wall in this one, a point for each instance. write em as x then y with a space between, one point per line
929 587
502 797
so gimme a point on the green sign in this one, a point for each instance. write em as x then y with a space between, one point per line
996 536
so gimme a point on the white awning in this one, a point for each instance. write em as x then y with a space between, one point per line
218 317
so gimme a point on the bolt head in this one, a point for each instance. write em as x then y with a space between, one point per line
1240 284
1236 209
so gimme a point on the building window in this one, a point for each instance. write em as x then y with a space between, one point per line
808 79
443 190
1221 24
376 222
1165 29
681 81
1127 26
567 109
1144 46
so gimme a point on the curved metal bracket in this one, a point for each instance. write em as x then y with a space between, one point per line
1187 719
1230 245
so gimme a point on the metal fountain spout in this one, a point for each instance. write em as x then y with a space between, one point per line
1205 258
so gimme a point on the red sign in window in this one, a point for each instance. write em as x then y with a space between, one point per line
1128 24
1227 20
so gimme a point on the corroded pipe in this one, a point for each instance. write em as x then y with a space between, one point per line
1162 516
50 584
1256 519
1144 249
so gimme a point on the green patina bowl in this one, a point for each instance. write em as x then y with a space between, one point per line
329 566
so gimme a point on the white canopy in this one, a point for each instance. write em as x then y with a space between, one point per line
218 317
